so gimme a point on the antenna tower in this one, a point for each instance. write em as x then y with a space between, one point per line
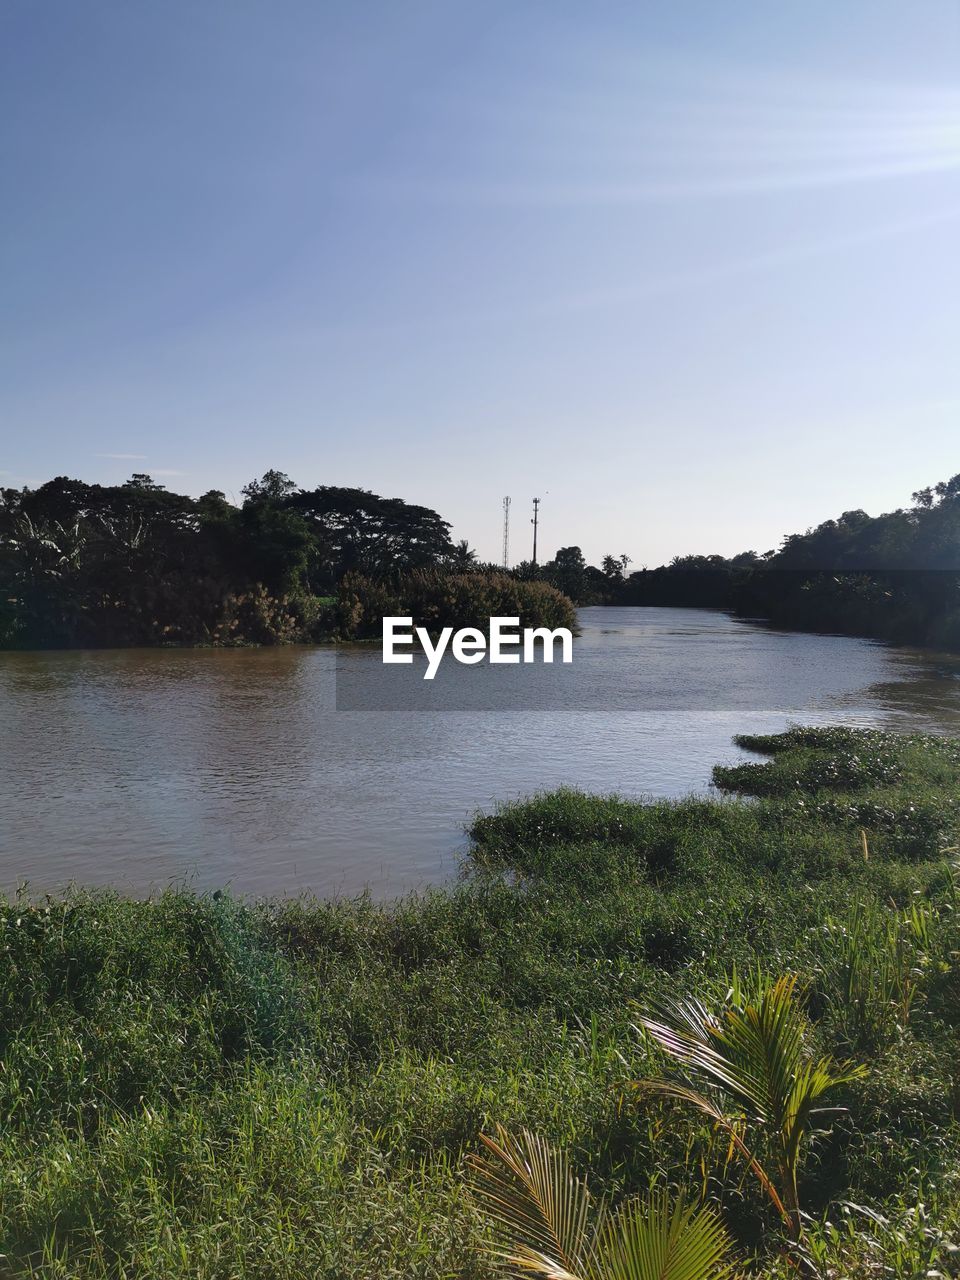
535 521
506 533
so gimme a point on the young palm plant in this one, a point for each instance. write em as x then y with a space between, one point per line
749 1067
547 1224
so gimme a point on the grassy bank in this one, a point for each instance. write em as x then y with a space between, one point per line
194 1086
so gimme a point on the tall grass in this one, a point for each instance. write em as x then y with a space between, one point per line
874 969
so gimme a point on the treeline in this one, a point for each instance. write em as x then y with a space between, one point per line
894 576
133 564
86 565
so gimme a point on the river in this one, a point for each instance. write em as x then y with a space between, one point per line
140 768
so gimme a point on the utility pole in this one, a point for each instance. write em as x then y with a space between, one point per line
506 533
535 521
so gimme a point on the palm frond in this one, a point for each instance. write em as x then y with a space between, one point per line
544 1214
658 1239
752 1050
548 1224
675 1091
753 1054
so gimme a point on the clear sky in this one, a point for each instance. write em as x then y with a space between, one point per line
688 271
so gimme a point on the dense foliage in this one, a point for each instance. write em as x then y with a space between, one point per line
197 1086
86 565
435 600
893 576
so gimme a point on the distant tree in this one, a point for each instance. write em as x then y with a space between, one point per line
462 559
272 486
140 480
615 567
358 531
214 502
946 490
527 571
567 571
698 562
276 548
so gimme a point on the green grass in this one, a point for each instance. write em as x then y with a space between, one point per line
195 1086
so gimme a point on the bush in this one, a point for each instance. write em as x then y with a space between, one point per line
436 600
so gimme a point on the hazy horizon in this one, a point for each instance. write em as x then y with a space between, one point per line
688 274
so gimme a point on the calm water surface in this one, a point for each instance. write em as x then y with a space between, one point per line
142 767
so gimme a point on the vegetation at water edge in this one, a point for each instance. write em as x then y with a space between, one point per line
894 576
86 565
133 564
198 1086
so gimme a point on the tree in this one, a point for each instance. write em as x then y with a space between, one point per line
273 486
758 1080
358 531
462 559
948 489
567 572
527 571
615 567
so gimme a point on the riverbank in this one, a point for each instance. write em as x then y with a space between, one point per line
915 607
202 1086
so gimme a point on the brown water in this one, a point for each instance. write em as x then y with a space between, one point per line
142 767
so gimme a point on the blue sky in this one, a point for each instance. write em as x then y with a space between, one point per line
687 271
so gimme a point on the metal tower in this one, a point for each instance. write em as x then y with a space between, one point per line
506 533
535 521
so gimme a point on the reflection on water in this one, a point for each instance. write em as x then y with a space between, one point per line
138 767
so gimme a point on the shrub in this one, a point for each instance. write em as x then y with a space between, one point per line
435 600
